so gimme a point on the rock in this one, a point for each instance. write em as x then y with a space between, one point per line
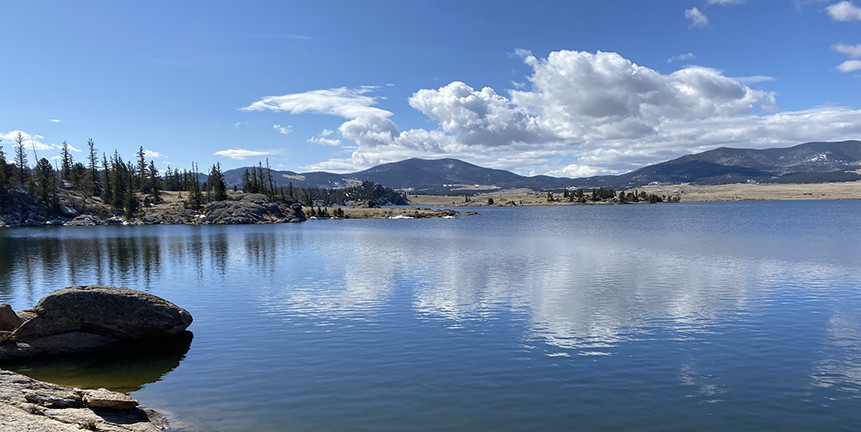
35 406
84 220
51 397
122 313
106 399
58 344
9 320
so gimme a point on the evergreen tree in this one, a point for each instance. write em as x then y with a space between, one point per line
154 187
216 190
45 186
66 167
3 176
20 160
106 189
140 173
194 200
92 183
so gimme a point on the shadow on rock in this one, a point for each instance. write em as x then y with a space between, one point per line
125 368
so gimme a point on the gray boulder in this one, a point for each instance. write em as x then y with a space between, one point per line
121 313
9 320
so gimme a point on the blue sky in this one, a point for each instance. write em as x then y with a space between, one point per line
543 87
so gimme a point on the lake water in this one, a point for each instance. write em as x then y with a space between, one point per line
696 316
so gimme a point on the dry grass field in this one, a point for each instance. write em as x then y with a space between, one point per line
687 192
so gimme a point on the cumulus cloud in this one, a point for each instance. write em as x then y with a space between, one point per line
844 11
853 51
849 66
479 117
698 19
31 141
152 154
582 113
240 154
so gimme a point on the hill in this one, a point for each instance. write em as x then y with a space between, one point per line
814 162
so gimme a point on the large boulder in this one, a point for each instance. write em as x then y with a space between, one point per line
9 320
121 313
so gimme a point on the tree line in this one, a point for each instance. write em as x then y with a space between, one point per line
125 186
128 186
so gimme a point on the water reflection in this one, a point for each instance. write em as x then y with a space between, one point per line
841 366
125 370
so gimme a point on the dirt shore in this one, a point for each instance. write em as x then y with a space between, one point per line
686 192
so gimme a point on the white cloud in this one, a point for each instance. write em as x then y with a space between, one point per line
324 139
844 11
853 51
283 130
343 102
586 113
152 154
849 66
240 154
725 2
681 57
753 79
698 19
32 142
56 121
482 118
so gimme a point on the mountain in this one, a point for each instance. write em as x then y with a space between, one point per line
805 163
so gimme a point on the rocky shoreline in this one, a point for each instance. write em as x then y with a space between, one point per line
238 209
78 320
35 406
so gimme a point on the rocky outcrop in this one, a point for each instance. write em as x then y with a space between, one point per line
35 406
252 209
86 318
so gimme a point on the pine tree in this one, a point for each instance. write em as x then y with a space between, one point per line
216 190
20 160
106 189
45 186
66 168
154 187
92 183
140 172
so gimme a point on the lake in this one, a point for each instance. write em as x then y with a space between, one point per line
692 316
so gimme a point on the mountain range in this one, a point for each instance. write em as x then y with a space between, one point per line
813 162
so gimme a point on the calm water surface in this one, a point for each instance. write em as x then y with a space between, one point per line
698 316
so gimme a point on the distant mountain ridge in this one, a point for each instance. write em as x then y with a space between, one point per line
805 163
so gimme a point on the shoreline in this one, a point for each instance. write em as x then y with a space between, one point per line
686 192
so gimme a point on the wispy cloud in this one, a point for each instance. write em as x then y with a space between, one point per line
325 138
844 11
241 154
56 121
753 79
343 102
698 19
681 57
283 130
725 2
